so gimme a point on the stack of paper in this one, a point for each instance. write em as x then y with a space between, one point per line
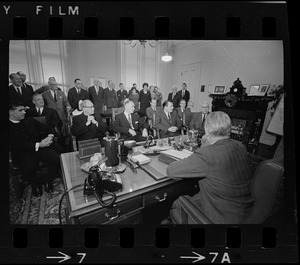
142 159
172 155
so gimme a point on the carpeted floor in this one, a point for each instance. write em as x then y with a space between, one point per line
37 210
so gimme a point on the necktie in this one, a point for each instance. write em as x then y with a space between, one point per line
182 93
183 117
130 121
40 112
97 89
169 117
173 95
55 99
19 90
78 91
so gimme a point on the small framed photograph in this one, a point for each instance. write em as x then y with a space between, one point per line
219 89
254 90
263 89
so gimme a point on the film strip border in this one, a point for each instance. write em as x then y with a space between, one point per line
144 20
150 244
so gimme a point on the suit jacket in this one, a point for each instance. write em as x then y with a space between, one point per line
162 122
60 105
83 132
121 95
175 100
188 116
186 96
28 87
26 96
224 180
97 99
196 122
24 135
51 116
122 125
110 98
150 112
74 97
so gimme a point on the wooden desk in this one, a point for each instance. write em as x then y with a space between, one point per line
139 192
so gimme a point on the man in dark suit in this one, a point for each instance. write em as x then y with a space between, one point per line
121 94
110 98
167 121
57 100
174 97
85 126
23 77
77 93
31 142
40 110
17 92
223 169
198 120
130 125
185 114
96 94
184 94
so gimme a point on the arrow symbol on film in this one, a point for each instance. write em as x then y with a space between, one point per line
64 257
197 258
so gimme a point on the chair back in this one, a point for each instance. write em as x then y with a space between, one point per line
116 111
266 186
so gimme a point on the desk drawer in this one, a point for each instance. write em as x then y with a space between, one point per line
169 193
108 215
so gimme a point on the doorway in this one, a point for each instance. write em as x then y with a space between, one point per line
191 75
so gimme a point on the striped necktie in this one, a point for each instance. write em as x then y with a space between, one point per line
169 117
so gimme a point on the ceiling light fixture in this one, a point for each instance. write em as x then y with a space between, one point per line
166 57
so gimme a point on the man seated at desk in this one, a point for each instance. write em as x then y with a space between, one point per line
130 124
32 142
223 168
198 119
85 126
167 121
184 113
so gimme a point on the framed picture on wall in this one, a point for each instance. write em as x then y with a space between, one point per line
101 79
263 90
254 90
219 90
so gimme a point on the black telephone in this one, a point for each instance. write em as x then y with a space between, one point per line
99 183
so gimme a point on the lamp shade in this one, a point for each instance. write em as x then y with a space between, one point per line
166 58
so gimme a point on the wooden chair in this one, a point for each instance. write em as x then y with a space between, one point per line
267 187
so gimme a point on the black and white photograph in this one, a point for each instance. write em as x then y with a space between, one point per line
114 146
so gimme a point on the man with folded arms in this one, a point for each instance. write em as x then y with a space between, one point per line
85 126
32 142
167 121
130 125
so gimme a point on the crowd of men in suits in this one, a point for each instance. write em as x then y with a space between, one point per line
85 108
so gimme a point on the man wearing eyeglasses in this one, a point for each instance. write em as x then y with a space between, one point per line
85 126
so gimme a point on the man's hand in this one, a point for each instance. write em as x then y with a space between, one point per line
145 133
89 120
132 132
172 129
94 121
46 142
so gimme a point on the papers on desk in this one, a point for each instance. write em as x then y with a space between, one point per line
142 159
172 155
